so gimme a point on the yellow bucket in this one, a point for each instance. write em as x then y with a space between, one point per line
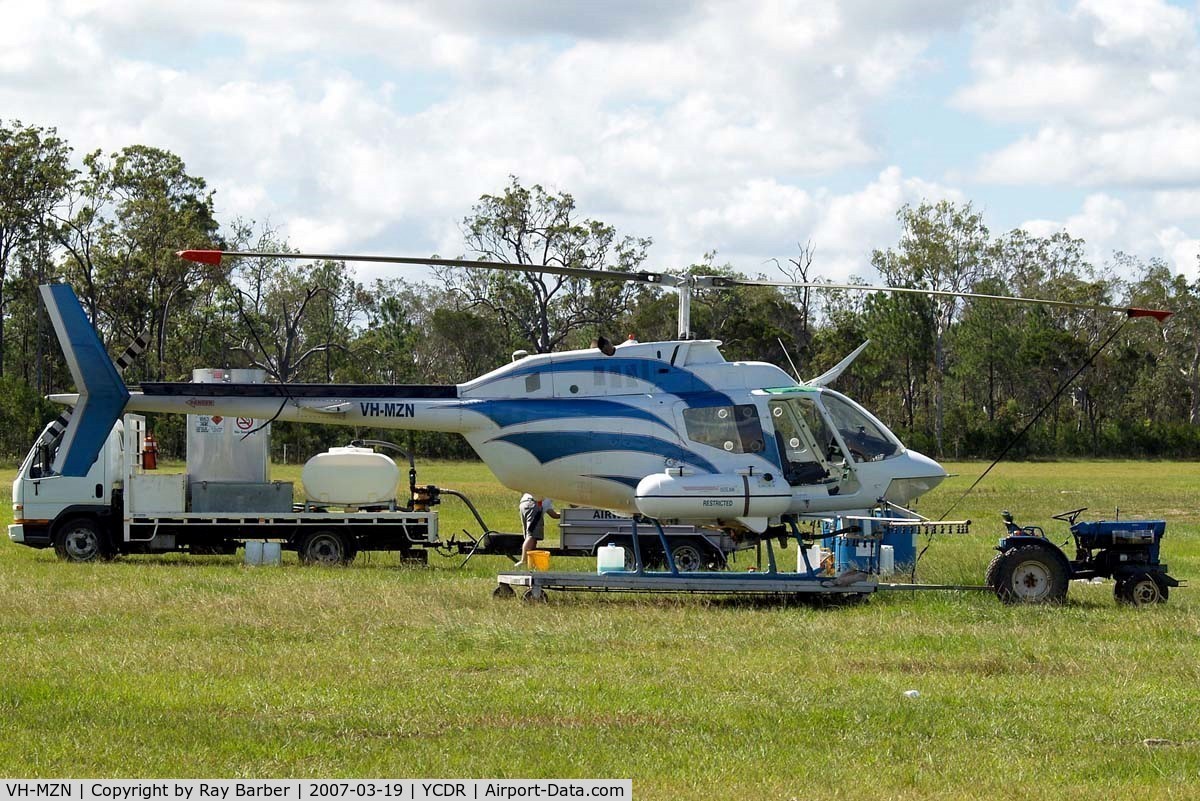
539 560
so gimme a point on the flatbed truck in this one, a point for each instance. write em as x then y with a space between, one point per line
121 508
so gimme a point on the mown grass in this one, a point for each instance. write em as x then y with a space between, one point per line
173 666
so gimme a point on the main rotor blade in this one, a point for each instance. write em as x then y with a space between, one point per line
214 257
1157 314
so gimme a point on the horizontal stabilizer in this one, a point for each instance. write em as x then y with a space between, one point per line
102 394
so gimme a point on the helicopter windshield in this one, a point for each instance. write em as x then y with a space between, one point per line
866 438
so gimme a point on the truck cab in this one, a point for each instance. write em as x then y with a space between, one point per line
72 514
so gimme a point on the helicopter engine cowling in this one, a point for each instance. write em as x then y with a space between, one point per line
750 499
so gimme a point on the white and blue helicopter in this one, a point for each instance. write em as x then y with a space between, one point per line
669 430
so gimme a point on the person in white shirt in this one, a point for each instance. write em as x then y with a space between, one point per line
533 522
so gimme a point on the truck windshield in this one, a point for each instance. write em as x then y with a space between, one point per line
41 456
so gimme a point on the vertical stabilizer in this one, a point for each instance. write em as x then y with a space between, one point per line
102 393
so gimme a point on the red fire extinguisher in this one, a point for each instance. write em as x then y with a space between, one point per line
150 453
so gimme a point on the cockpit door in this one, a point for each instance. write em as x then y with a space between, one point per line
803 456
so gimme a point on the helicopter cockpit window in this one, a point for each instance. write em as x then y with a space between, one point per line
865 439
735 429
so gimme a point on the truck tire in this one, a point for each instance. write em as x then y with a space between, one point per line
325 548
81 539
688 557
1140 590
1030 574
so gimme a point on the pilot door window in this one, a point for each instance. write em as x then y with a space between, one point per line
734 429
797 435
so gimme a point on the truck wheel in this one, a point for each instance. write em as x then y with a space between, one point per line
1140 590
81 540
630 556
687 557
1030 574
325 548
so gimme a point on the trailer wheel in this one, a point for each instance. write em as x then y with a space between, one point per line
1030 574
1140 590
325 548
503 592
687 557
81 540
535 595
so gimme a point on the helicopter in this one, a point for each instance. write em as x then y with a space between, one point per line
668 430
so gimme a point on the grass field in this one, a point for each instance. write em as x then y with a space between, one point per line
198 667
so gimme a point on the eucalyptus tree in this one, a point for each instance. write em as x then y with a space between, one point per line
34 174
535 227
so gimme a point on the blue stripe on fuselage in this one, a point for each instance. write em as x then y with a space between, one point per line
546 446
667 377
626 480
506 413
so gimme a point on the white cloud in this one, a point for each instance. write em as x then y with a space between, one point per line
1163 153
353 122
705 125
1108 224
1111 87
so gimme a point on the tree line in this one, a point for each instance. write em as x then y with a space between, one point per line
953 378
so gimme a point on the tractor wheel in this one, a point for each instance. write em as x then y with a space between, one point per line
325 548
993 571
1030 574
1140 590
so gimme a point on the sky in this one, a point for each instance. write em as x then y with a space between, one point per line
744 128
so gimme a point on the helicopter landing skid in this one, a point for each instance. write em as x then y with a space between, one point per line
537 583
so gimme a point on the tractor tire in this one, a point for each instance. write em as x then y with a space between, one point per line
993 571
1140 590
326 548
1030 574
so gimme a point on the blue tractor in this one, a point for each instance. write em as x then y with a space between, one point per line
1031 569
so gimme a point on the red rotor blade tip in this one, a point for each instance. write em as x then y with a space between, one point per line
212 257
1157 314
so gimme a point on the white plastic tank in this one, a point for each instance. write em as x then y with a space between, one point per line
887 560
610 559
350 477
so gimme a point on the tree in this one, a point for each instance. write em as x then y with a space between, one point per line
122 223
537 228
942 247
289 315
34 173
